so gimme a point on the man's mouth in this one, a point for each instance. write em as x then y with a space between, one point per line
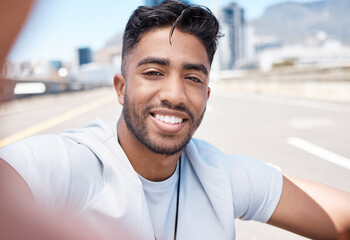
169 119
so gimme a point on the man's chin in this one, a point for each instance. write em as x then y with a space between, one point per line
167 147
165 150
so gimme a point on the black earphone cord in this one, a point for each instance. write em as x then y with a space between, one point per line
177 201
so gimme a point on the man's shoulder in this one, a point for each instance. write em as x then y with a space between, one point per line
96 130
56 164
38 144
69 141
208 153
202 147
206 150
68 151
47 150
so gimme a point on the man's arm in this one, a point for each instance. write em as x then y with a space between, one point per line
312 209
21 219
15 199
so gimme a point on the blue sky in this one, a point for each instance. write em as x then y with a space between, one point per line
55 28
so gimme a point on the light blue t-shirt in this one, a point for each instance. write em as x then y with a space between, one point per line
86 170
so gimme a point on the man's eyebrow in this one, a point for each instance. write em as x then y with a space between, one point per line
199 67
148 60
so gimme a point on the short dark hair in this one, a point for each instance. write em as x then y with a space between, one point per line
193 19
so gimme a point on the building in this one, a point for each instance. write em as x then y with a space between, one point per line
84 56
151 3
232 45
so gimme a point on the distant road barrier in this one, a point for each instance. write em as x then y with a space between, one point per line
320 83
14 88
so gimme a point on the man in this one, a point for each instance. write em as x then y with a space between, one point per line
144 177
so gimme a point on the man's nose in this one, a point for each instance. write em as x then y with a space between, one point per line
173 90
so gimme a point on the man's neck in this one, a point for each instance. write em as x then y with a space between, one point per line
150 165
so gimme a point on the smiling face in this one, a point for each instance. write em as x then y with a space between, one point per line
166 90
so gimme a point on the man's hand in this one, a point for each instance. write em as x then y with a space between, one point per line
312 209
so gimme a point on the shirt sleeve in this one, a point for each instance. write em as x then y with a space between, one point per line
36 161
256 188
58 171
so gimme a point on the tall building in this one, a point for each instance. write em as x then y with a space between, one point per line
151 3
84 56
232 46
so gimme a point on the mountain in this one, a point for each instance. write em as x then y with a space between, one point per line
294 22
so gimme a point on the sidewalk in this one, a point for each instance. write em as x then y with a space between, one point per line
330 90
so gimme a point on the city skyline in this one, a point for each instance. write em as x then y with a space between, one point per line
55 29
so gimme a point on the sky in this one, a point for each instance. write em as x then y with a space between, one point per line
56 28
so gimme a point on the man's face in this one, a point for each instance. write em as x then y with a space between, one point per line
166 90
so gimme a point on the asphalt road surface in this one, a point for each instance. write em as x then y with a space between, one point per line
306 138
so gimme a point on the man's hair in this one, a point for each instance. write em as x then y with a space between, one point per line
193 19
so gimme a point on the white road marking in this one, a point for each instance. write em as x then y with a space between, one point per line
313 104
320 152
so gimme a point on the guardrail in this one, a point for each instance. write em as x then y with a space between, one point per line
15 88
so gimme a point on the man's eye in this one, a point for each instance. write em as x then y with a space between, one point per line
195 79
153 73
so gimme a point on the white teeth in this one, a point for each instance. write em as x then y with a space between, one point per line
168 119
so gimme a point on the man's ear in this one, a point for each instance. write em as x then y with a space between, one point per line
208 94
120 86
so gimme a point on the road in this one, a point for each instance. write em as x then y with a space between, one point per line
305 138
